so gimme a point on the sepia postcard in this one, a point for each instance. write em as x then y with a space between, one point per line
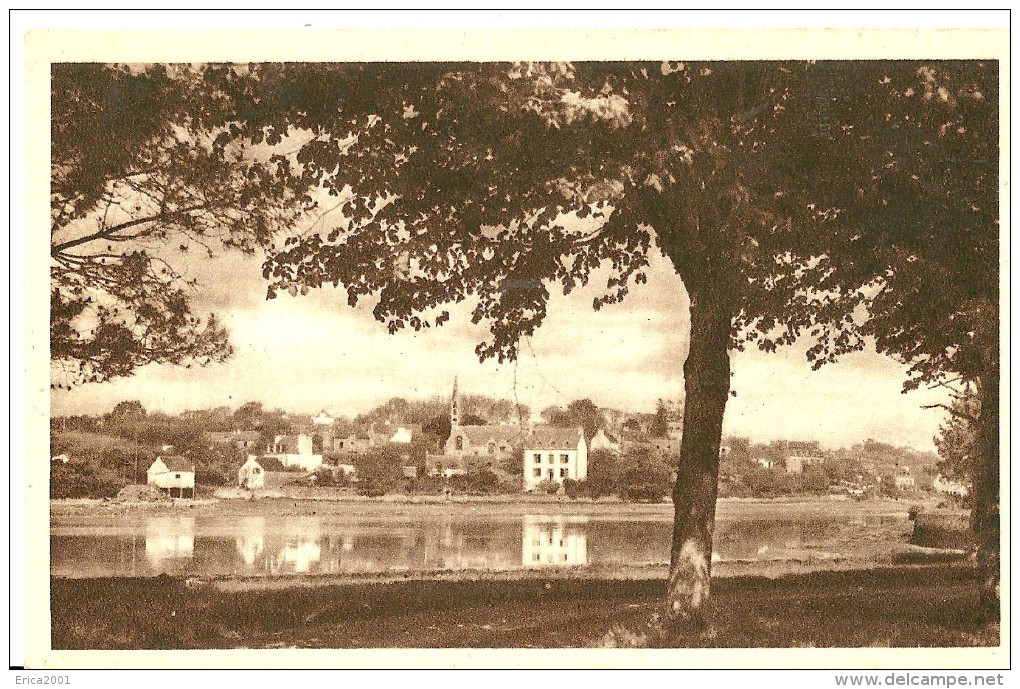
434 348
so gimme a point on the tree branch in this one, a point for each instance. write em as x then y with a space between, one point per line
111 232
954 412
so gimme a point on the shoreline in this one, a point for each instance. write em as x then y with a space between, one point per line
505 501
935 606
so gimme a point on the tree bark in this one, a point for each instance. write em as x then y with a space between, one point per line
985 510
707 386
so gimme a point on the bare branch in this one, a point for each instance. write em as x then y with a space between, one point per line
954 412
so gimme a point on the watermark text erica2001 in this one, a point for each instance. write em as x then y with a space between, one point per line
43 679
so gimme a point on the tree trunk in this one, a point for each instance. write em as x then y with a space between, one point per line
985 510
707 385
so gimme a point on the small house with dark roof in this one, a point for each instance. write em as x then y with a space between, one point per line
173 474
554 454
239 440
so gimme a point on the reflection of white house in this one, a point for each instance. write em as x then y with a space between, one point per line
554 454
548 543
299 554
941 484
169 538
175 475
251 475
294 451
252 541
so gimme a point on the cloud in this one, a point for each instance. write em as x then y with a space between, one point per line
312 352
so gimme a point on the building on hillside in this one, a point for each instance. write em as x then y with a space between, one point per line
323 419
358 442
251 475
632 440
173 474
554 454
245 441
294 451
904 480
798 455
945 485
764 462
674 419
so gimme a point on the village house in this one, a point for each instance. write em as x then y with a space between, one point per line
601 441
358 442
251 475
801 454
173 474
554 454
904 480
294 451
323 419
947 486
244 441
674 420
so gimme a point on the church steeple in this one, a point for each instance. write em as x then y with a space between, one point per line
454 406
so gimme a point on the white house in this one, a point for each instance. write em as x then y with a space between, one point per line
402 436
251 475
601 441
554 454
174 475
294 451
323 419
941 484
904 481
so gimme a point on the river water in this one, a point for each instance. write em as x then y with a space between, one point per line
145 544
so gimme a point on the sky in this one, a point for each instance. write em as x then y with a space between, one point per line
313 352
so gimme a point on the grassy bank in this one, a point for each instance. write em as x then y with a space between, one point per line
932 605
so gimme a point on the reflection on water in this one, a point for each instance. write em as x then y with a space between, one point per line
272 545
553 541
169 538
